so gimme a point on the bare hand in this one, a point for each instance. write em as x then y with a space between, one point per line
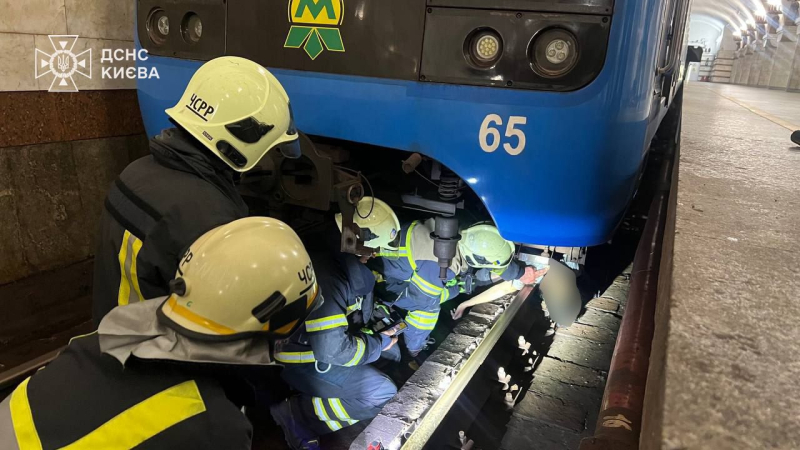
364 258
390 332
457 313
531 275
391 344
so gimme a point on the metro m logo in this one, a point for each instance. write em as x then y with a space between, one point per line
308 11
314 24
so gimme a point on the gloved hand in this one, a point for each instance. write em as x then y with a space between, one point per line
457 282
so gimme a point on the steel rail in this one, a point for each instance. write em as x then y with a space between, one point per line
620 420
440 408
17 373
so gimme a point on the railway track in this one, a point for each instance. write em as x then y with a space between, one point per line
460 397
457 388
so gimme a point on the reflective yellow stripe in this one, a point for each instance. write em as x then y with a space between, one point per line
407 248
129 291
341 413
295 357
137 245
385 253
422 320
445 296
22 419
319 408
425 286
359 353
145 420
124 284
81 336
197 319
326 323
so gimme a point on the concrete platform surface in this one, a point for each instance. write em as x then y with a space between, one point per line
725 370
780 107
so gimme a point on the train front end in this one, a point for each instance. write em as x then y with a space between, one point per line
544 108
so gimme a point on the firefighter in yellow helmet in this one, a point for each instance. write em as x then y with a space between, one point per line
329 360
157 373
232 113
412 273
378 223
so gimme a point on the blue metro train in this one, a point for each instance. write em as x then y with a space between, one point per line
541 112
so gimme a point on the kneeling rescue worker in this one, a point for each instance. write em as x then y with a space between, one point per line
158 374
328 359
411 273
232 113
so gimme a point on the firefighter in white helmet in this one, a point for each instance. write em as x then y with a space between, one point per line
329 360
161 372
232 113
378 223
411 273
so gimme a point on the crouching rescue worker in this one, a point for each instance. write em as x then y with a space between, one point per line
411 273
232 113
328 359
159 374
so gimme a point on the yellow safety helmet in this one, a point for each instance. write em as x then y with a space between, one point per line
483 247
250 276
238 110
376 216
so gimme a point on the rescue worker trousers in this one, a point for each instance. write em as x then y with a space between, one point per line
421 320
337 398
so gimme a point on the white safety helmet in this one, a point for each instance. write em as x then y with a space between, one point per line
250 276
483 247
378 218
238 110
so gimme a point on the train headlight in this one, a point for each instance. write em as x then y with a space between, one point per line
554 53
487 47
158 26
192 28
484 47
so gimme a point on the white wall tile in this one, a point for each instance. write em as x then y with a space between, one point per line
102 19
33 16
16 62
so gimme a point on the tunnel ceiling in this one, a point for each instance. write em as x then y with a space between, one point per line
737 14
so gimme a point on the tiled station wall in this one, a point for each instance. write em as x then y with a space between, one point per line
60 151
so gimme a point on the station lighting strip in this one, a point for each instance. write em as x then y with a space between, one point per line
441 407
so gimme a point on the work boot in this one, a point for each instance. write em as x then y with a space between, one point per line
796 137
297 436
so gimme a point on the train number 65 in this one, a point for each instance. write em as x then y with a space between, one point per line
489 128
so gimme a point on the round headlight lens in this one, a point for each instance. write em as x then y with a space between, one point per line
554 53
163 25
483 48
158 26
487 47
557 51
192 28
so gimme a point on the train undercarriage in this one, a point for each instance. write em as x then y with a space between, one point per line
332 176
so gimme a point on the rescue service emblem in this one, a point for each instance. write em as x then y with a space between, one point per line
315 26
